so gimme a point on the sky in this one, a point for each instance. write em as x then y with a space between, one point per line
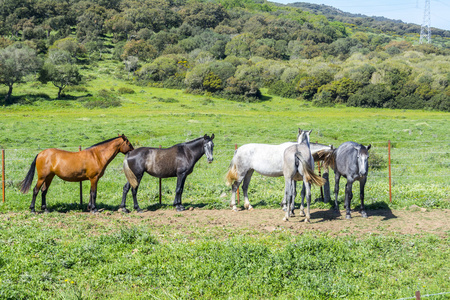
409 11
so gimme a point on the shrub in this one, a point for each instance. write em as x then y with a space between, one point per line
125 90
373 95
283 89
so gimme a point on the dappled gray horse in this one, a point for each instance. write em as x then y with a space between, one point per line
265 159
351 161
176 161
298 164
319 152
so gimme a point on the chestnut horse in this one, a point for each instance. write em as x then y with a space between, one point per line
89 164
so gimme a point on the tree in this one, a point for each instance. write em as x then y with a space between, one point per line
16 62
60 70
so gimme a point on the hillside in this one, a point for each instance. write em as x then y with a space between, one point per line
227 48
370 22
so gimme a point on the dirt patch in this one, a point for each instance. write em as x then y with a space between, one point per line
200 224
268 220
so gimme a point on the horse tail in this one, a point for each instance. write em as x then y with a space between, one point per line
26 183
308 172
329 160
232 174
131 177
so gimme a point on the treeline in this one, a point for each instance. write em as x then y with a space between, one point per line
231 48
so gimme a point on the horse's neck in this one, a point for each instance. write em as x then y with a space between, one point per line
196 148
107 152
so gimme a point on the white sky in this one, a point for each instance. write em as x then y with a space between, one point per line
409 11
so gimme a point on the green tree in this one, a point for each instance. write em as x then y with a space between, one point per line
60 70
16 62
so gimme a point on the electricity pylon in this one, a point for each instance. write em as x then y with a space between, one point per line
425 30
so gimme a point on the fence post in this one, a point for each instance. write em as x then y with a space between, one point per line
3 174
390 177
160 194
237 192
81 186
417 295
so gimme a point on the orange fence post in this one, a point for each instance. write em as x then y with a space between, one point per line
3 174
237 192
81 187
390 177
160 194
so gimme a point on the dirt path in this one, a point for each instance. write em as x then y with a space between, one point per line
224 222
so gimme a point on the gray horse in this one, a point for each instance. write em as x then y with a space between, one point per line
351 161
298 164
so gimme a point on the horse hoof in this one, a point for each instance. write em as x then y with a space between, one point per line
46 211
180 208
247 206
285 219
250 207
363 214
348 217
302 214
139 210
292 214
125 210
234 208
307 220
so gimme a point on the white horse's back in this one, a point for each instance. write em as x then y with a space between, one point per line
265 159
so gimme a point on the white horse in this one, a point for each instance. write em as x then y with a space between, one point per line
265 159
298 164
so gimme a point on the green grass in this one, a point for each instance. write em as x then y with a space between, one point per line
71 256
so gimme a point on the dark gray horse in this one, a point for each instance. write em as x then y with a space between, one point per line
176 161
351 161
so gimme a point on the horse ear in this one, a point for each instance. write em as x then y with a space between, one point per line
299 130
368 147
309 132
212 136
205 136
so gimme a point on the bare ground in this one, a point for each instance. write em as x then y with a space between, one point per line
223 222
196 224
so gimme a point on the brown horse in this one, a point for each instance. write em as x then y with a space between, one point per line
89 164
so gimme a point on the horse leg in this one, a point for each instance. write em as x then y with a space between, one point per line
287 195
36 189
126 188
362 184
348 198
302 195
337 177
44 191
93 195
181 178
234 189
308 200
245 185
122 205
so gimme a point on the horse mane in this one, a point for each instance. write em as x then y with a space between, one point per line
104 142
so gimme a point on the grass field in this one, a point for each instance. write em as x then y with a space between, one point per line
68 255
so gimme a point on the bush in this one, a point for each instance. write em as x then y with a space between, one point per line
283 89
125 90
373 95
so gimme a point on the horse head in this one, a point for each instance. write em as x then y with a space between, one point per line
303 136
363 159
208 145
125 146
